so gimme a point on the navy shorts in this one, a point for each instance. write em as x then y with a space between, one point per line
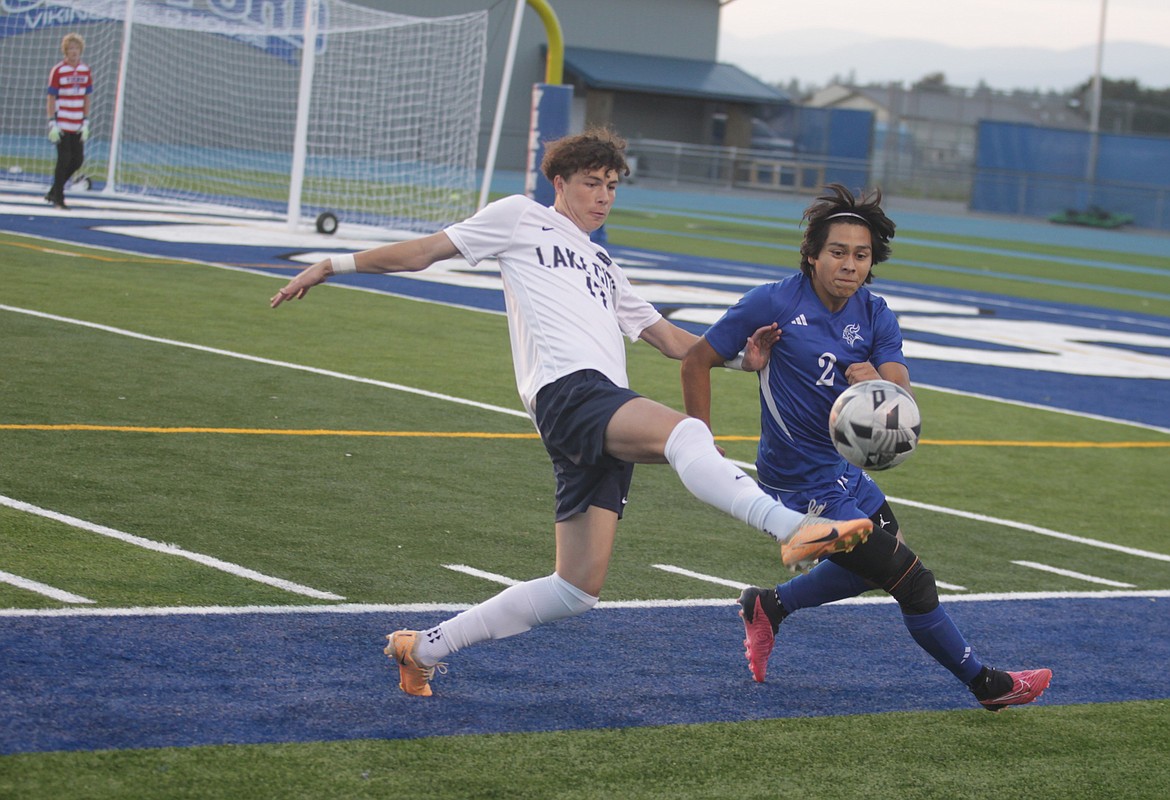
853 495
572 414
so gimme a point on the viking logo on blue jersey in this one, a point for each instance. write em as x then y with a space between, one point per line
852 333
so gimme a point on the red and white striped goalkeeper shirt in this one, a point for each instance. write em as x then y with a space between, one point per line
70 85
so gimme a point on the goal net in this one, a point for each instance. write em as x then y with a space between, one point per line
219 101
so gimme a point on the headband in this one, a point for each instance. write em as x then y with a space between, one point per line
847 214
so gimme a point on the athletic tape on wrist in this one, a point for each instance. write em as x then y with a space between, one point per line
734 363
343 264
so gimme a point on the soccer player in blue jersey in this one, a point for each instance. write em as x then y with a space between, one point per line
835 332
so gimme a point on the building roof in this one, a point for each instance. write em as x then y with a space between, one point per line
676 77
953 105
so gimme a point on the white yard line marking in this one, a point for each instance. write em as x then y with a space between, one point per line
700 576
171 550
448 608
1023 526
737 585
479 573
1068 573
1038 406
951 587
268 361
1007 523
60 595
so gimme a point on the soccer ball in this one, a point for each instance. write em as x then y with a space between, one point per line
875 424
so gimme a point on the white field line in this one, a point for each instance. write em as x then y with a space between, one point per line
1041 407
60 595
447 608
1007 523
268 361
170 550
700 576
479 573
1068 573
1023 526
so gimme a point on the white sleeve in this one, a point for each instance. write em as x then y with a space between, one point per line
490 231
634 314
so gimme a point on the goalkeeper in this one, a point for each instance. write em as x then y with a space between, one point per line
67 104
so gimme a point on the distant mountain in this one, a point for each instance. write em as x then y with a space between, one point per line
818 56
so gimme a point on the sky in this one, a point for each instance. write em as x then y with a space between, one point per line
815 42
1051 24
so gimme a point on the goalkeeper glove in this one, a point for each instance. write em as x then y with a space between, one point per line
54 131
85 130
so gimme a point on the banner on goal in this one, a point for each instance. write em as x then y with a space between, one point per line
220 102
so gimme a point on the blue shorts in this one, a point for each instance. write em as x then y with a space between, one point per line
852 496
572 414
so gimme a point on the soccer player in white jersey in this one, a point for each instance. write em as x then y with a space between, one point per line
568 306
67 104
835 332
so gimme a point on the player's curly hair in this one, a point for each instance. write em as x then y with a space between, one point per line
72 38
840 200
596 148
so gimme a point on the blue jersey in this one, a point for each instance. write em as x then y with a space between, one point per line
806 372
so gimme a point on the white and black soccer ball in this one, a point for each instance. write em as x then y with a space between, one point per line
875 424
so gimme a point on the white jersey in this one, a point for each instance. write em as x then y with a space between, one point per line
568 302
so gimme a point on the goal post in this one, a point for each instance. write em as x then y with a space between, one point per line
214 103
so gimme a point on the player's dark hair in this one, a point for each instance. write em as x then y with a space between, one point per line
596 148
821 214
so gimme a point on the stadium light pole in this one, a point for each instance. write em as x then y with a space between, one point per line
1095 112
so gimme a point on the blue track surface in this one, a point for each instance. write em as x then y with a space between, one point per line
86 683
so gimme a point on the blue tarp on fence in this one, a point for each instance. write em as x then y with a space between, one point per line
1036 171
842 137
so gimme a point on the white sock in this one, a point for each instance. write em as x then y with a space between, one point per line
690 449
514 610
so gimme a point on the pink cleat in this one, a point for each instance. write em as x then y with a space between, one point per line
762 614
1026 687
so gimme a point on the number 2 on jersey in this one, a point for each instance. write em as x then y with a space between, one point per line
828 363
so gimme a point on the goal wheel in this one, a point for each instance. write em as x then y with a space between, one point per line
327 223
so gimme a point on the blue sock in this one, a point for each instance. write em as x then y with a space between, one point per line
822 584
936 633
